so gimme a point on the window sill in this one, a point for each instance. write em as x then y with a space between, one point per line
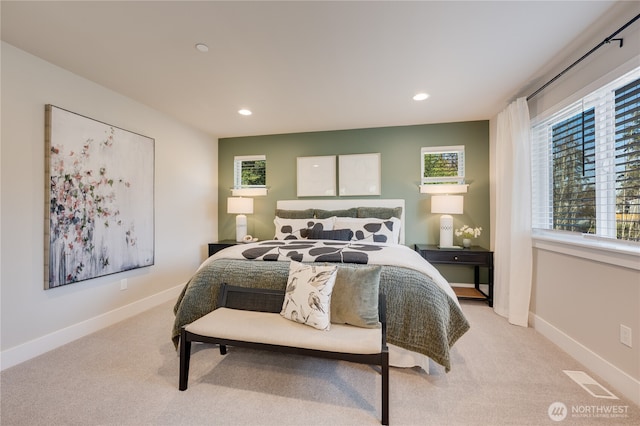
619 254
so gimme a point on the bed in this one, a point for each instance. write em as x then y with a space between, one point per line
424 318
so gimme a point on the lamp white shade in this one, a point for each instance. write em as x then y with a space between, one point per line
240 206
447 204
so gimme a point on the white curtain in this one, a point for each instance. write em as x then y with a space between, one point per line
513 252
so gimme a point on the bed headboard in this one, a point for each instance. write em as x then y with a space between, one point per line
339 204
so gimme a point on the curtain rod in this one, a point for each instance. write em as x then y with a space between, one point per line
602 43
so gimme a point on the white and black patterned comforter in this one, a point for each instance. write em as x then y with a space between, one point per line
423 313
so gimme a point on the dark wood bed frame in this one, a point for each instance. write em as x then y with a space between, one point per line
264 300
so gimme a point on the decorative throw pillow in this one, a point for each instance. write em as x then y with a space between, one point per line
294 214
307 299
355 296
336 234
296 229
376 230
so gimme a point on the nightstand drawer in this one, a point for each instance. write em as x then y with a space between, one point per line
455 257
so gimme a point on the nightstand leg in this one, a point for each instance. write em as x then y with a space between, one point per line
476 277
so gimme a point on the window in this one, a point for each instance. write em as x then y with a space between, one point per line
574 173
250 171
249 175
627 99
586 165
442 164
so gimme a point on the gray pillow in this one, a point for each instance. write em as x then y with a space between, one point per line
323 214
294 214
380 212
354 300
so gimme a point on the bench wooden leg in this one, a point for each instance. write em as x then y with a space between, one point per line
223 349
185 356
385 388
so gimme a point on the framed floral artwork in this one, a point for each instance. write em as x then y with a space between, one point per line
99 198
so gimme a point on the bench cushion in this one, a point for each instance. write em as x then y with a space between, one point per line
273 329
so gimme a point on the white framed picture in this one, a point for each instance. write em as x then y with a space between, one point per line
316 176
359 174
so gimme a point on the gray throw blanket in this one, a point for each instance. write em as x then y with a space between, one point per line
421 317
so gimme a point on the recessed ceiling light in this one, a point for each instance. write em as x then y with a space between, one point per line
420 96
201 47
244 111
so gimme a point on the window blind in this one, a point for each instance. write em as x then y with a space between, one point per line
586 164
574 173
627 160
442 164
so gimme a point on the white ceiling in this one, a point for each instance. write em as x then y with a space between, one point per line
304 66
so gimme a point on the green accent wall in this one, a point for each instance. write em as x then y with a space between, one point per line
400 157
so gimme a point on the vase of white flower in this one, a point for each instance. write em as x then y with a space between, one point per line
467 233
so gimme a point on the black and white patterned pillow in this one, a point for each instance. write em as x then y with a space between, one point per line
367 229
308 296
296 229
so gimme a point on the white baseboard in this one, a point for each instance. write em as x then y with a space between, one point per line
618 379
33 348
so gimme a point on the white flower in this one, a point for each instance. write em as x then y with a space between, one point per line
468 232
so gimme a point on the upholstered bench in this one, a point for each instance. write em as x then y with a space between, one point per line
250 317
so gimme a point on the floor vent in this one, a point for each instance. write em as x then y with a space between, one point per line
589 384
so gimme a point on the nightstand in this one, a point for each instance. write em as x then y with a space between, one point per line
475 256
217 246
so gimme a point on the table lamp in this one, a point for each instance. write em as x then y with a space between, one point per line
446 205
240 206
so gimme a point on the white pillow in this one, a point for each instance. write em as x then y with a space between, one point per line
308 296
370 229
296 229
397 229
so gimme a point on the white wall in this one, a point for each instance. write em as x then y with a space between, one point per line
34 320
579 302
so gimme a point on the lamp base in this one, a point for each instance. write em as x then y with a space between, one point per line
241 227
446 231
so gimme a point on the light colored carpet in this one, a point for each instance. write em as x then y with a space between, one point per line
127 374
